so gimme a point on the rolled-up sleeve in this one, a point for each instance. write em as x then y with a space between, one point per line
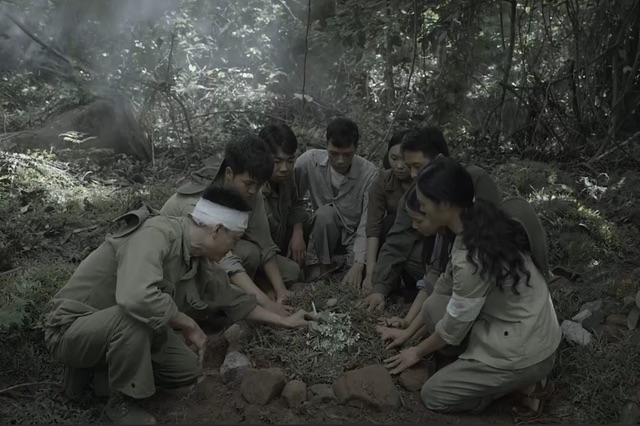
467 300
258 231
360 243
219 293
377 207
232 264
139 274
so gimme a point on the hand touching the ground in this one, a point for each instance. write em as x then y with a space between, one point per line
393 322
354 275
196 337
367 286
396 336
297 248
192 333
405 359
279 308
299 319
282 298
374 301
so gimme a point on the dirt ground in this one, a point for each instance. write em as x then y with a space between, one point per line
58 209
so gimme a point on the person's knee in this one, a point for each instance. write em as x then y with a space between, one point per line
185 372
290 270
325 217
431 397
192 370
435 398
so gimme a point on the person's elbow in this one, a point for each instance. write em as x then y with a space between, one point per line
131 300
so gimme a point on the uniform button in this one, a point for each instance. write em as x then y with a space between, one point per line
506 333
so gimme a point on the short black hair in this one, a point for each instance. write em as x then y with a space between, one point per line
279 135
249 154
396 139
343 133
428 140
412 202
228 197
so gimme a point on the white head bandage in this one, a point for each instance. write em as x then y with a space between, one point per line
209 213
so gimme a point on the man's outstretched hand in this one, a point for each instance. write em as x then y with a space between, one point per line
300 319
373 302
353 277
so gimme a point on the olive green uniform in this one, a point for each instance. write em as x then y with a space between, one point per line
116 307
339 203
284 210
256 246
511 339
401 249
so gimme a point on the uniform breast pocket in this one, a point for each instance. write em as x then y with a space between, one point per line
505 339
168 286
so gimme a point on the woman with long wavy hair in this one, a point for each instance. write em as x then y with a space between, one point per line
491 304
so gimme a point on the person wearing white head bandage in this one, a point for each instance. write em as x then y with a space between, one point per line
209 213
254 265
130 298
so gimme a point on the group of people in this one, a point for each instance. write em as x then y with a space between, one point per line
237 235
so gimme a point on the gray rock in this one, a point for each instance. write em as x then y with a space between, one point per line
413 378
582 315
321 393
609 333
575 333
594 306
261 386
617 319
234 367
294 394
630 413
594 321
368 386
237 336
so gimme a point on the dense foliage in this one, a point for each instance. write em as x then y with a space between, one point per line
557 77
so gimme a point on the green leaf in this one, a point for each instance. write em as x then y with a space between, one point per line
13 313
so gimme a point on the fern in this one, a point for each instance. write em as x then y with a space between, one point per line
13 313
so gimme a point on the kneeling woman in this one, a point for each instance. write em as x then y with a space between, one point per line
494 295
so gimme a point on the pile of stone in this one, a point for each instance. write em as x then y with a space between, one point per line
595 319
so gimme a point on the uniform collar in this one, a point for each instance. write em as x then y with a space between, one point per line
354 171
391 181
185 224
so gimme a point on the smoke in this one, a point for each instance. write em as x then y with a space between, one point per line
125 41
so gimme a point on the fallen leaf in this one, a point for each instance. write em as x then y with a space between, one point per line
25 208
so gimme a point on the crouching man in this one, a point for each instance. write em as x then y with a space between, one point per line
124 307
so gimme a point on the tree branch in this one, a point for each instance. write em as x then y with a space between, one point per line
505 79
406 90
35 38
306 52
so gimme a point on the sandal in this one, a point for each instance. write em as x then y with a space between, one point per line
541 393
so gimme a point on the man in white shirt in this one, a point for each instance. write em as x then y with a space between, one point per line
338 182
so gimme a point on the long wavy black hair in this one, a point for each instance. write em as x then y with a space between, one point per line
496 244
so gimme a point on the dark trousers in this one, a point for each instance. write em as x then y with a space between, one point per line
408 279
